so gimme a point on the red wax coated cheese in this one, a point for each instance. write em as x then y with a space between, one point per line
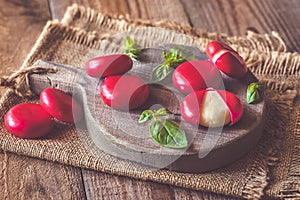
226 59
231 64
214 46
212 108
196 75
108 65
28 120
61 105
124 92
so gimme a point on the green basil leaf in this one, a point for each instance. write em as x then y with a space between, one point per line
131 48
128 42
177 136
158 132
173 58
184 53
162 112
168 134
160 72
254 92
146 116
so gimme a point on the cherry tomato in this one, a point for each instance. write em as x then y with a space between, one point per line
124 92
28 120
108 65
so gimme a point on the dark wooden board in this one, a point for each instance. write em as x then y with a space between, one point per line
118 133
132 140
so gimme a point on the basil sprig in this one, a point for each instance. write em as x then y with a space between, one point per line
164 131
130 48
174 57
254 92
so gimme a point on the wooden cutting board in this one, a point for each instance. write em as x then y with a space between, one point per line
118 133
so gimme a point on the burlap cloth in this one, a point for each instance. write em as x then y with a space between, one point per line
271 170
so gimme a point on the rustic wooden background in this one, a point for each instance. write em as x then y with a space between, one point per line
21 22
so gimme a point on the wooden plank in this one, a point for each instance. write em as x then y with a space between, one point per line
235 17
184 194
20 24
22 177
107 186
145 9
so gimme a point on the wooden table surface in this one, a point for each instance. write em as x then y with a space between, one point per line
21 22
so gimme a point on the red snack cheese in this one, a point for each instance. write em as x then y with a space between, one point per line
61 105
108 65
211 108
226 59
124 92
28 120
196 75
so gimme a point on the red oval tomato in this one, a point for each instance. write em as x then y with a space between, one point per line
28 120
124 92
61 105
108 65
196 75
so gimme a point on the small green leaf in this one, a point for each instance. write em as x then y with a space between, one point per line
254 92
168 134
177 135
158 132
128 42
160 72
164 131
174 57
162 112
184 53
131 48
146 116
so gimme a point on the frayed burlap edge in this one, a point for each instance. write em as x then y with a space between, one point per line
264 54
266 42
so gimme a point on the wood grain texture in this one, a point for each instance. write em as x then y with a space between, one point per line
21 177
233 17
145 9
28 178
20 24
106 186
